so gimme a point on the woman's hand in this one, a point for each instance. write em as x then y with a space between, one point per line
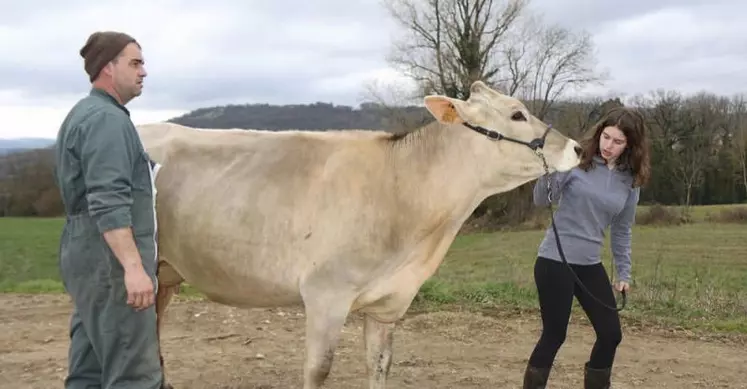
622 286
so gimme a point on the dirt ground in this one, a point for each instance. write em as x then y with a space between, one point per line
212 346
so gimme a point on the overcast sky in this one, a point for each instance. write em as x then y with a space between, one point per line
201 55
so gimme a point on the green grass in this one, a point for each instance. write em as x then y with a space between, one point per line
692 276
28 255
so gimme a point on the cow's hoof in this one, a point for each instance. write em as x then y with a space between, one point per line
166 385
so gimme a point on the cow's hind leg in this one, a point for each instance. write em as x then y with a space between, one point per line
326 313
379 337
169 282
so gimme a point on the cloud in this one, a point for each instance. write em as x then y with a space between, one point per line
199 54
689 48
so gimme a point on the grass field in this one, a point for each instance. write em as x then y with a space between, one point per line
692 276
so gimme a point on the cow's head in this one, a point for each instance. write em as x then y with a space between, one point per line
502 136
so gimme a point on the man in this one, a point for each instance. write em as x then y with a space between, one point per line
108 244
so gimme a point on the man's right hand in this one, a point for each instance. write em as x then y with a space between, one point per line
139 288
138 284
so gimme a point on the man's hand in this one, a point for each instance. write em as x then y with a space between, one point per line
139 288
137 282
622 286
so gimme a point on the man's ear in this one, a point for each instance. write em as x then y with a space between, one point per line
108 69
445 109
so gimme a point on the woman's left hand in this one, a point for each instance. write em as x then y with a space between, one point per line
622 286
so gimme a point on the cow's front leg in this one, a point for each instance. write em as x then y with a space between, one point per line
325 317
379 337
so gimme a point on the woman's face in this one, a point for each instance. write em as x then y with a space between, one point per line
612 143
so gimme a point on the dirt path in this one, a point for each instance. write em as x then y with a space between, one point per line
212 346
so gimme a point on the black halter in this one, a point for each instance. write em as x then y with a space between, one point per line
535 144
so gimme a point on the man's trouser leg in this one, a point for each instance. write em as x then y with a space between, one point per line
84 370
107 335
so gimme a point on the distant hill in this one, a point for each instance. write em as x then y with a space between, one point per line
8 146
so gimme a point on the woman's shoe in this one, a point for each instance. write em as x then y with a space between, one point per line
535 377
596 378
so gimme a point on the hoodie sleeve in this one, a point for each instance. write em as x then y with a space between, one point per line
558 180
621 236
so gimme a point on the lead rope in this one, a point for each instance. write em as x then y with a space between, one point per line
560 248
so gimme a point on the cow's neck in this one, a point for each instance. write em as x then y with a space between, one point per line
436 167
437 186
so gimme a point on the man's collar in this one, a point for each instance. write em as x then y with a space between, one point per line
105 95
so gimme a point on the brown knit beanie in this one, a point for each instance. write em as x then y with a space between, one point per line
102 47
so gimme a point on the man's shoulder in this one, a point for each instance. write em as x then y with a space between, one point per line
93 116
76 118
86 110
95 107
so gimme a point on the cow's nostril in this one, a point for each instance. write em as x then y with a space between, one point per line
578 150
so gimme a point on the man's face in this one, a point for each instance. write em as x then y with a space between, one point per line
128 73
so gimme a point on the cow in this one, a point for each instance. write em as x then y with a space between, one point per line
336 221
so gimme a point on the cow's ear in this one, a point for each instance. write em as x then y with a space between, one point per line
445 109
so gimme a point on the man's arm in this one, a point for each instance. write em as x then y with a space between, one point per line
107 159
122 243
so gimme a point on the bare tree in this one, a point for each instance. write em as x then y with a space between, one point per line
738 128
699 136
667 108
448 44
546 61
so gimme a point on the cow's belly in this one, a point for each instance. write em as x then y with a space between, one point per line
250 272
267 266
228 284
232 271
247 292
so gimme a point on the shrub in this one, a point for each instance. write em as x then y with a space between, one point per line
729 215
660 215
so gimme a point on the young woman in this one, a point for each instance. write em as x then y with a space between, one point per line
601 192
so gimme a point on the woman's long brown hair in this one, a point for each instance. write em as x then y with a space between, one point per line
636 154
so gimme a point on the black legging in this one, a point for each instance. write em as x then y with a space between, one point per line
556 287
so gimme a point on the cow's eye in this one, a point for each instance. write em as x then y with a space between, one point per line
518 116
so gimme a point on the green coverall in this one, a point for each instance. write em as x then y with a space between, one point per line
104 177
